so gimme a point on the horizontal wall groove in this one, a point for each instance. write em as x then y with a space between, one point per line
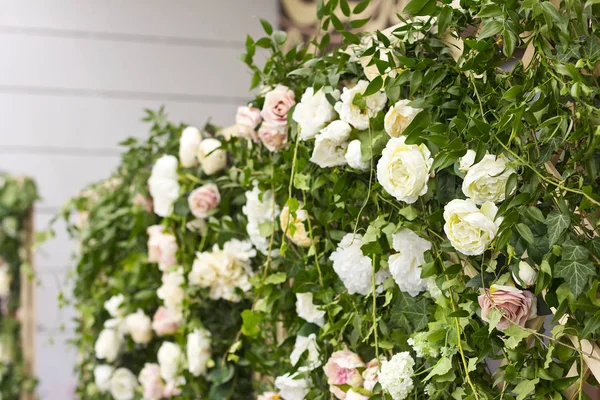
122 94
122 37
63 151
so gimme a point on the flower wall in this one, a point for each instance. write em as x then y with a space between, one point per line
17 196
385 219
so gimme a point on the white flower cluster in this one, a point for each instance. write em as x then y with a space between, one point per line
224 271
355 115
307 310
405 266
423 348
396 375
261 211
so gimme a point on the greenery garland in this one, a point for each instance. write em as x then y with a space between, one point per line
17 196
384 220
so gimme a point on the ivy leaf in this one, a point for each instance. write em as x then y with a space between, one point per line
442 367
409 312
575 273
557 223
515 334
525 387
572 251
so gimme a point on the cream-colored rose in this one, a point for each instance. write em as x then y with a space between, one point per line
527 276
331 144
166 321
399 117
467 161
354 156
212 158
188 146
162 247
163 185
170 358
307 310
273 137
204 199
139 326
486 180
171 290
314 111
353 114
108 345
114 305
102 374
470 229
198 351
295 229
123 384
403 169
405 265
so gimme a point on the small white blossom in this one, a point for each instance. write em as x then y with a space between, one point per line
405 266
306 344
261 210
307 310
354 156
396 375
314 112
423 347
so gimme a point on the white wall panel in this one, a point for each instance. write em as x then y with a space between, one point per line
57 317
55 254
55 360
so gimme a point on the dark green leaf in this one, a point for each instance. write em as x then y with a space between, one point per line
490 29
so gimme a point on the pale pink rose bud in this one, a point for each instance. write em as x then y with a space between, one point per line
162 247
516 305
165 321
273 137
142 201
342 369
269 396
247 119
151 381
277 104
204 199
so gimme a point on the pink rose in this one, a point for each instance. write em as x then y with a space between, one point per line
161 247
269 396
516 305
165 321
204 199
152 383
277 104
341 369
247 119
142 201
352 395
371 374
273 137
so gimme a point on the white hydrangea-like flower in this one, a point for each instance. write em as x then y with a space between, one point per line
399 117
423 347
260 209
198 351
163 185
353 268
396 375
354 156
291 388
470 229
224 270
403 169
314 111
171 292
486 180
405 266
307 310
331 144
306 344
188 146
353 114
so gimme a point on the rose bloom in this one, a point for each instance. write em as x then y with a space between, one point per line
516 305
102 374
139 327
399 117
371 374
165 321
188 146
161 247
204 199
331 144
277 104
469 228
341 369
212 158
123 384
247 119
269 396
274 137
352 395
152 384
486 180
294 229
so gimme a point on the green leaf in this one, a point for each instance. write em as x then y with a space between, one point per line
280 37
515 334
591 326
525 387
374 86
494 316
576 273
416 7
525 232
345 7
250 326
490 29
409 312
572 251
359 23
301 181
362 6
491 10
557 224
441 367
266 26
275 279
409 212
510 42
350 37
511 185
444 19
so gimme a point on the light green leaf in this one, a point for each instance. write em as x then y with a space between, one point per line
490 29
525 387
557 223
301 181
494 316
443 366
575 273
275 279
515 334
591 326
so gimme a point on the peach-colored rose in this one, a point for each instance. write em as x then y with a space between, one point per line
272 136
371 374
341 369
161 247
247 119
142 201
152 383
204 199
165 321
516 305
277 104
269 396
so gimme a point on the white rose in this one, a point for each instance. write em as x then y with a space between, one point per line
399 117
403 169
331 144
527 275
306 344
171 292
467 161
405 266
212 159
470 229
198 351
5 280
139 326
102 374
354 156
307 310
292 389
295 229
108 345
113 305
314 112
188 146
169 358
123 384
353 114
486 180
163 185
